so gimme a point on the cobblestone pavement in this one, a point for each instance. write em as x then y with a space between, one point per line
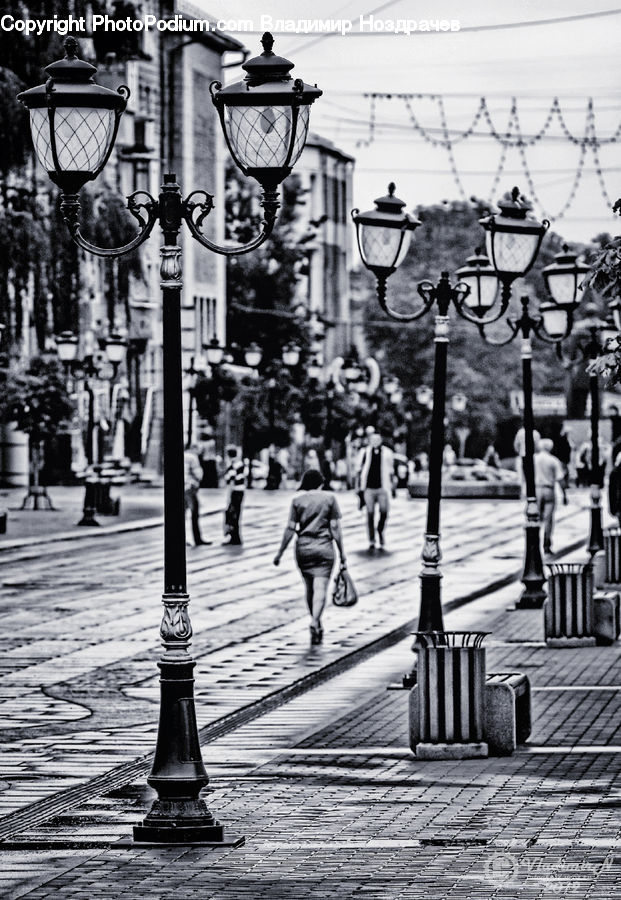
79 695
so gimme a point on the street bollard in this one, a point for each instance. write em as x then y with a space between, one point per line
451 683
90 503
568 611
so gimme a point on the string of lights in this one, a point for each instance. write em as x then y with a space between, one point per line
512 137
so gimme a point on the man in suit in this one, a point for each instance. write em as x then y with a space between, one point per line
376 473
236 477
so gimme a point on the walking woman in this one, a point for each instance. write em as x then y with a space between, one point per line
314 517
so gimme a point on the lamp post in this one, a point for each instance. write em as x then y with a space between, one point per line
74 124
116 349
384 235
597 332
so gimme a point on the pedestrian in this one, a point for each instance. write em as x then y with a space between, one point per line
376 473
314 517
491 457
563 449
327 470
274 471
193 474
548 473
236 477
208 460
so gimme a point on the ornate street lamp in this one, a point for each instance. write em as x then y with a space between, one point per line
214 352
597 332
563 277
67 348
533 577
615 309
291 355
478 274
253 356
116 348
513 242
74 124
383 238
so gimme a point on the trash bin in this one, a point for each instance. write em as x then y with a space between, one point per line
612 550
451 684
568 610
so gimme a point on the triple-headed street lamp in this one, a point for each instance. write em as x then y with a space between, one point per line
74 124
513 241
552 325
384 236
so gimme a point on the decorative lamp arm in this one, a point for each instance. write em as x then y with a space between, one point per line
464 312
515 330
145 211
204 205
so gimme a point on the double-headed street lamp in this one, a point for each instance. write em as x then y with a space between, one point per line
384 236
552 325
597 332
74 124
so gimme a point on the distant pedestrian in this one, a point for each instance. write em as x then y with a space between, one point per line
314 517
376 473
491 457
236 477
193 474
327 470
548 473
563 449
274 471
209 462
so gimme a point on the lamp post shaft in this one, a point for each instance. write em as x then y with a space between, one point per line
178 774
430 615
533 578
596 536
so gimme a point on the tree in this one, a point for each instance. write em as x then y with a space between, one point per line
36 399
487 375
264 280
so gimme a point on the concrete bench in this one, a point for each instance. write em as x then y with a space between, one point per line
507 711
606 616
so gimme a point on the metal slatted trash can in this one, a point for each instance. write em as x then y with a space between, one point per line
568 611
612 549
451 684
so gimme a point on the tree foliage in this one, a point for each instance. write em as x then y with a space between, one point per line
35 398
264 280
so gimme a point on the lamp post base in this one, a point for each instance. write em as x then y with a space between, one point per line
533 578
596 535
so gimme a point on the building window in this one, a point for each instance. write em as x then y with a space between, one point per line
206 327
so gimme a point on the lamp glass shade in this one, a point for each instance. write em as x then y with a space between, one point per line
512 253
67 346
554 319
459 402
351 372
382 246
214 352
291 355
562 287
396 397
314 371
115 348
83 136
391 385
253 356
424 395
479 276
260 137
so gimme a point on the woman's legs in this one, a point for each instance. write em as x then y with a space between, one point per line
308 584
320 590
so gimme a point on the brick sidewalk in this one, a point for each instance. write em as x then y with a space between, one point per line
333 804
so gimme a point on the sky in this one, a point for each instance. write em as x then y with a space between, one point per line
570 60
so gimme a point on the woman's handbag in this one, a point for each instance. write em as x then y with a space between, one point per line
344 593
